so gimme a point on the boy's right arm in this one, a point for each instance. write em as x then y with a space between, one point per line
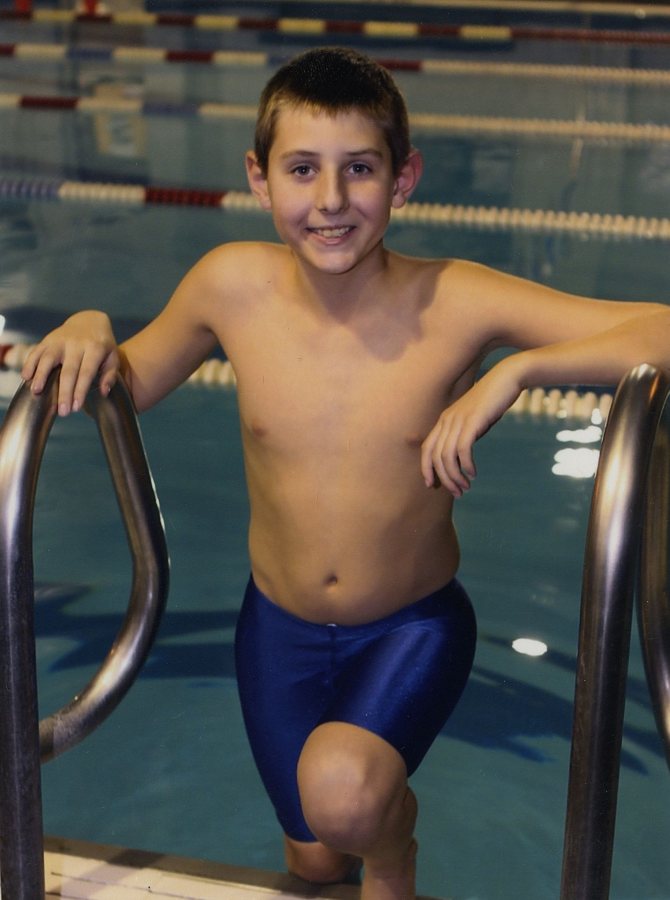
153 362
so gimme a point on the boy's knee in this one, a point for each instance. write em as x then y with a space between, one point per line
346 796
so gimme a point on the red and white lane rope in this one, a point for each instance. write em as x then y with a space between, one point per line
626 132
372 29
543 221
231 58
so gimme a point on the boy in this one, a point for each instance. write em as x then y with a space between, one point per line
356 378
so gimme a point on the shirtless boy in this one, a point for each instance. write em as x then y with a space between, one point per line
356 375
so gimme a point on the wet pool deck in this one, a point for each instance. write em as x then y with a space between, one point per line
85 871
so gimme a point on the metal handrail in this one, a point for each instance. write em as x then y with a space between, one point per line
653 606
626 541
23 437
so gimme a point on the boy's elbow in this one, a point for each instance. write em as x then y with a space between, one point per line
658 340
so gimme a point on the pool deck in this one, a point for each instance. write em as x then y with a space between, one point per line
85 871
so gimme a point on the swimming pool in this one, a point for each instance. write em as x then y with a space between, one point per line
170 770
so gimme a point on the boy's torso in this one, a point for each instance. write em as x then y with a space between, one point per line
333 411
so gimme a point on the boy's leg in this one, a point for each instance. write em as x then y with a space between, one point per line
319 864
355 797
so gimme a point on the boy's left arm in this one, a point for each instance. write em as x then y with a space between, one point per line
619 336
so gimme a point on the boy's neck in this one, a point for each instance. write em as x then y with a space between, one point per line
344 294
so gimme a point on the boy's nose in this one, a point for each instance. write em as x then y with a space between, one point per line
332 195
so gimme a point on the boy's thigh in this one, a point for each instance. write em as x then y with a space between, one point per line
283 696
405 685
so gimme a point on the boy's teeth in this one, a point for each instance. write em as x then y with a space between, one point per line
332 232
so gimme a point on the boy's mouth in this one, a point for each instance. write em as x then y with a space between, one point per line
332 232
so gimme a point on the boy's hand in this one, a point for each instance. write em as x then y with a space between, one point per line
84 346
446 454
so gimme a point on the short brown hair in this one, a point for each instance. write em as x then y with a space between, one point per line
334 80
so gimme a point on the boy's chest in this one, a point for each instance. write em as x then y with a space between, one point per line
314 386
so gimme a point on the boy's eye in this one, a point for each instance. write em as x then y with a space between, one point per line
301 170
359 168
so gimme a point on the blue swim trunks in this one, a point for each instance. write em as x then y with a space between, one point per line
399 677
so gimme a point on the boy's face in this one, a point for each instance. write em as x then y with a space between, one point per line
330 186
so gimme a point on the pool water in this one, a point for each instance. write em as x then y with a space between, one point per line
171 770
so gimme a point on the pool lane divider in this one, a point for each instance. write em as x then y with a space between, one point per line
612 225
553 403
229 58
647 132
309 27
602 225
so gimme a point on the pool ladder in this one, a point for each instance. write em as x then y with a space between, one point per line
24 741
628 544
627 547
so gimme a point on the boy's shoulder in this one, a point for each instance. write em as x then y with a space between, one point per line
246 259
231 274
445 278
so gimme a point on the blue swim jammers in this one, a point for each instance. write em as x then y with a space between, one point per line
399 677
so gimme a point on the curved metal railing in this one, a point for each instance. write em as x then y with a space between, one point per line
23 438
626 543
653 608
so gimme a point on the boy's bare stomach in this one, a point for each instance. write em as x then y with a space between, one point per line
329 555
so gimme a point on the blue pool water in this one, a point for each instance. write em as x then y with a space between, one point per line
170 770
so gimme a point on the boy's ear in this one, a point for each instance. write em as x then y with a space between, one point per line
257 179
408 179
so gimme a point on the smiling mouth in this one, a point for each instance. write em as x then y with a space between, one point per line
332 232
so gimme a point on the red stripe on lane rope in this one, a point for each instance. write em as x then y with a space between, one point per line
189 56
248 23
37 102
183 196
401 65
439 30
606 36
182 21
344 27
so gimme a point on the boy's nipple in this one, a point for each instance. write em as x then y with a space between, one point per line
258 429
414 440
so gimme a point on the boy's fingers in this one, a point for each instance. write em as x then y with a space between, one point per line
456 466
466 460
86 373
447 470
427 454
434 462
109 373
66 386
446 454
107 382
444 477
39 369
29 364
427 469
